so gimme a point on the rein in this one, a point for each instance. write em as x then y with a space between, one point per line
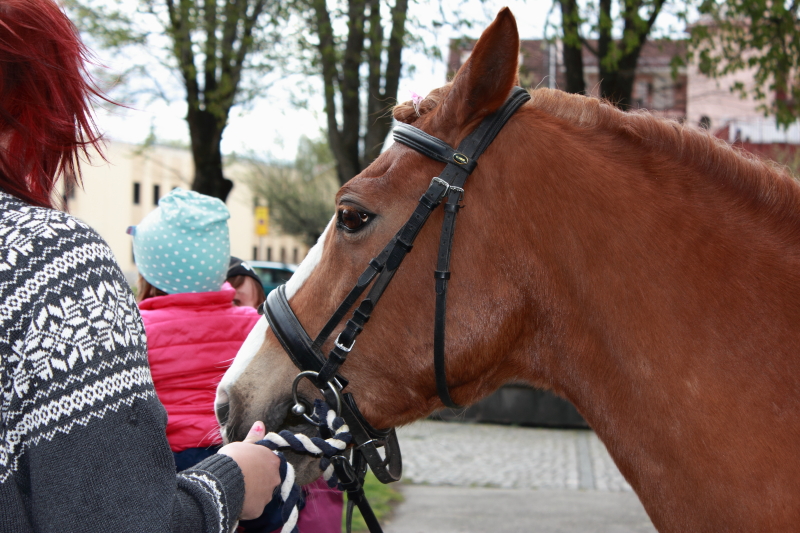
323 372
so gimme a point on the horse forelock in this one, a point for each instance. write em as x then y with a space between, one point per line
407 112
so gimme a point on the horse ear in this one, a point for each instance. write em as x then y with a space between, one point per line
485 80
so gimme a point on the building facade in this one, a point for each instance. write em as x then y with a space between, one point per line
122 190
541 65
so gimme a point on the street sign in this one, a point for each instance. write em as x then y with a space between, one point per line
262 220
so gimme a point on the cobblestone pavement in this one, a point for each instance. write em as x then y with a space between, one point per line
484 455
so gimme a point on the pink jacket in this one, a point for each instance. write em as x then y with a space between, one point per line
192 338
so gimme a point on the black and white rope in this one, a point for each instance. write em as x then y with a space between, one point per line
325 448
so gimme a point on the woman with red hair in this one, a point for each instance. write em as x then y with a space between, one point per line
82 434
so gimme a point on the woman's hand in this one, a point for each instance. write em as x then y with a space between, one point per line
259 465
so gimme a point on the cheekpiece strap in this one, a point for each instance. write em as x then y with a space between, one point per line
460 164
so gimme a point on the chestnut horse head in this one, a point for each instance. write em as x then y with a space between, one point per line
642 269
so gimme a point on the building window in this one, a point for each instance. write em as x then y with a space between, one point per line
137 193
156 194
294 256
255 253
269 253
283 254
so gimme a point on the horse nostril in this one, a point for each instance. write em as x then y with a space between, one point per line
222 410
222 406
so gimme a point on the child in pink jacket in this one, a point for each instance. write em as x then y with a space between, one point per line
194 331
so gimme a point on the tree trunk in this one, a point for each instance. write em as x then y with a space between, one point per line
573 52
380 101
349 160
354 144
206 136
228 30
617 85
618 60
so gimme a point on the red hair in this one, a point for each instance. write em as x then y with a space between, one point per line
45 100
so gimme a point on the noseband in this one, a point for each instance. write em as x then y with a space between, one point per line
307 354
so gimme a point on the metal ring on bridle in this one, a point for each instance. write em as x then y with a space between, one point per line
300 409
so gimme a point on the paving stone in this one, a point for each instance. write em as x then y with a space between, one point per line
487 455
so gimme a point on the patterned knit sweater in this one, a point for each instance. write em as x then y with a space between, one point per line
82 440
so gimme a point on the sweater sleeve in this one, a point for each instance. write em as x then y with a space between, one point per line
82 441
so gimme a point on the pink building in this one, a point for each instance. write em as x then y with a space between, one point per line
654 87
690 96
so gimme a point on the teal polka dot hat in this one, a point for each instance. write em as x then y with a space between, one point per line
183 245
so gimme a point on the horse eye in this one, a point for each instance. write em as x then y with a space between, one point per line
352 219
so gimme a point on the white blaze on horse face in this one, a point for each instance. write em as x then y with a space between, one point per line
308 265
255 340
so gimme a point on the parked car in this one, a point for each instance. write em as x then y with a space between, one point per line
272 273
520 405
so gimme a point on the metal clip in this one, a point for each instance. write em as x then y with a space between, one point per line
345 472
299 409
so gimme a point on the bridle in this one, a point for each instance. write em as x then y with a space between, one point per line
322 371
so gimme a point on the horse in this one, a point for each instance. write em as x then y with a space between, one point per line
640 268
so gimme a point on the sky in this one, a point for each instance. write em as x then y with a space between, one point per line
271 126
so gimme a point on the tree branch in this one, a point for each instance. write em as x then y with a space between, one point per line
210 84
180 31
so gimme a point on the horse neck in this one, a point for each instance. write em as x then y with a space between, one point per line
651 279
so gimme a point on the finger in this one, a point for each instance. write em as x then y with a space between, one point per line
256 433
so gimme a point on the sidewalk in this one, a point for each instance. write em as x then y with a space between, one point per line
487 478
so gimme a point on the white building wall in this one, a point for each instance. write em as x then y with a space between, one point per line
106 201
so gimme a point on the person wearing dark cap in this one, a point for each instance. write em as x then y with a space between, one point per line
323 505
249 291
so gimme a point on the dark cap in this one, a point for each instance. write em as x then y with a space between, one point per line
238 267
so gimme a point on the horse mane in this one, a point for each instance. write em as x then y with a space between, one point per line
761 181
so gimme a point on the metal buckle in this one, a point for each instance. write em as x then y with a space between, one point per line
440 181
447 187
341 346
300 409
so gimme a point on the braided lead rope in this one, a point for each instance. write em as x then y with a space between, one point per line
326 448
